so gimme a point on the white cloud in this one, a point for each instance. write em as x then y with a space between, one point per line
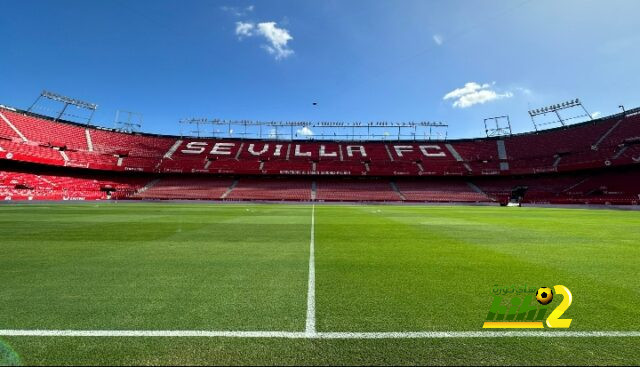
244 29
596 114
438 39
480 97
468 88
277 38
305 131
238 12
473 93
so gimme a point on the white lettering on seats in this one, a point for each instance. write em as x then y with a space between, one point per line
359 148
265 147
195 147
278 149
402 149
428 151
222 148
323 152
298 153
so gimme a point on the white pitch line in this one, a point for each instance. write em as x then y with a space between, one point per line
155 333
322 335
310 328
475 334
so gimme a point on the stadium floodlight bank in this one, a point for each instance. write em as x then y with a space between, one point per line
128 121
67 101
555 110
497 126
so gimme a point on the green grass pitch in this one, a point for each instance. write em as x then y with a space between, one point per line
245 267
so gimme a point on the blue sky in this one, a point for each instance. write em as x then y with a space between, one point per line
360 60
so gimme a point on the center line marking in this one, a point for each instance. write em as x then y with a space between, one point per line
310 329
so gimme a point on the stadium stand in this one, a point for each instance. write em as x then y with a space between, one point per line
185 188
40 130
134 145
271 189
439 190
22 185
591 162
356 190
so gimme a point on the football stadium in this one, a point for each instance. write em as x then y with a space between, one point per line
281 240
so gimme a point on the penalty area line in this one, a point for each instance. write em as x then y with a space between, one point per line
321 335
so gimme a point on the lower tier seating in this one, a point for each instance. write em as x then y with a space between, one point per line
271 189
185 188
356 190
37 182
439 190
45 185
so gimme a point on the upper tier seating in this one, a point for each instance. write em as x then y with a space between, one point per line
46 131
136 145
597 144
6 132
575 147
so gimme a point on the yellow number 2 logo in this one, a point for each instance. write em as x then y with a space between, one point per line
554 320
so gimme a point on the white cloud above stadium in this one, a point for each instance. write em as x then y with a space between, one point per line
277 39
474 93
